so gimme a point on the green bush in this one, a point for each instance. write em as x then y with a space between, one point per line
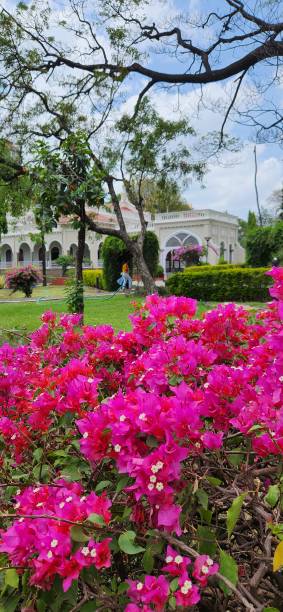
159 271
151 252
217 267
264 243
234 284
94 278
115 254
2 282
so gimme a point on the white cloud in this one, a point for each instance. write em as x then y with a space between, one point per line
232 189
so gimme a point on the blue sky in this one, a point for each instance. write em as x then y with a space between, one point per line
228 185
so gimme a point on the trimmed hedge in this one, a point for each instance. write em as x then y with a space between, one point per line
94 278
204 267
235 284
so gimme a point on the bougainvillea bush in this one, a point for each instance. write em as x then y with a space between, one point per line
143 470
23 279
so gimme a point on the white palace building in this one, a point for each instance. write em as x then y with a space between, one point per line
173 229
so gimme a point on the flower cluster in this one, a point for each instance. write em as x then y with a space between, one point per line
41 540
155 416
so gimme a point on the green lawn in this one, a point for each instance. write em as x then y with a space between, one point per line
41 292
25 317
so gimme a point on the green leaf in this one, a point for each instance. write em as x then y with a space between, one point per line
96 518
10 604
229 569
236 458
272 496
207 541
71 473
89 606
148 561
102 485
215 482
78 535
38 454
172 603
126 543
271 610
11 578
122 588
202 498
123 482
234 512
174 585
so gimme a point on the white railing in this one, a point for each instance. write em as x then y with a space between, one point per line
192 214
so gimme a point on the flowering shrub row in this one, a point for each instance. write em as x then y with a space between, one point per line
141 470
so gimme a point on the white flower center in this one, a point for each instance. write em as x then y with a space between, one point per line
69 499
85 435
85 551
39 505
159 465
61 505
93 553
142 416
178 559
153 478
204 569
160 486
117 448
169 559
209 561
150 487
49 554
122 418
139 586
54 543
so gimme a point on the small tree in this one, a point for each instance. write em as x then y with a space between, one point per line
23 280
65 261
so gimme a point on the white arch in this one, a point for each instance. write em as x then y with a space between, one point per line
24 254
182 231
6 255
167 248
55 245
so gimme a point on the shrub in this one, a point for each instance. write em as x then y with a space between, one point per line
2 282
159 271
65 261
115 253
151 252
74 295
239 284
263 244
93 278
24 279
142 471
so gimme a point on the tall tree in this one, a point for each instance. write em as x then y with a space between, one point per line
145 147
109 41
163 195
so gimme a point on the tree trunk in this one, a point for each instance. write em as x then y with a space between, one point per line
142 269
44 275
80 254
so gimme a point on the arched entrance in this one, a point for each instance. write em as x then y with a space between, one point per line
55 250
87 254
24 255
73 250
6 256
180 239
